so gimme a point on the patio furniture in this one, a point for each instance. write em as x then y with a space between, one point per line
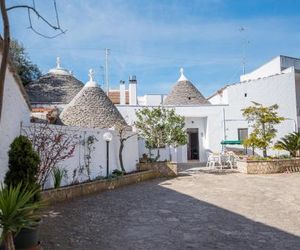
231 142
221 160
231 159
213 159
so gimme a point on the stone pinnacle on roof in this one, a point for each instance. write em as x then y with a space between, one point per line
182 76
185 93
91 82
59 70
91 108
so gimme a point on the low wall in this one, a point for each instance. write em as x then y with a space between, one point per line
71 192
269 167
164 169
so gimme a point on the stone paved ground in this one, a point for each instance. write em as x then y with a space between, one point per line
194 211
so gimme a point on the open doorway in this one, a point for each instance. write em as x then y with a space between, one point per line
193 144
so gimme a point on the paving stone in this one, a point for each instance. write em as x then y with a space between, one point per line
197 211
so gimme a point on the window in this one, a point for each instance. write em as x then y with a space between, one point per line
242 134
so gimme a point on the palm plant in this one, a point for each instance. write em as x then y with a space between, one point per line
17 211
290 143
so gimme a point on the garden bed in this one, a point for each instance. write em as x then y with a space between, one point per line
268 166
71 192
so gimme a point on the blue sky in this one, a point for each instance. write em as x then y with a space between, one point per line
152 39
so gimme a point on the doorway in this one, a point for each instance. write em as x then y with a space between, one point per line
193 144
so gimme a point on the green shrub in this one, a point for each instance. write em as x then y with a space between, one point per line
117 172
23 164
58 174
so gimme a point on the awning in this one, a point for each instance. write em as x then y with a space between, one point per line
231 142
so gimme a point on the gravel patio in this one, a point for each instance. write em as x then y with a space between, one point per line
197 210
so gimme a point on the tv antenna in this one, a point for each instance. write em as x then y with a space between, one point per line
106 70
245 42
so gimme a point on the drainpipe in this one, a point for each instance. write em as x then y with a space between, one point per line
224 127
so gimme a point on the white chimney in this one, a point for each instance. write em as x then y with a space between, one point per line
132 90
122 93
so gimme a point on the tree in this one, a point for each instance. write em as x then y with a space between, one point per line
251 142
27 71
160 127
123 134
151 125
290 143
262 120
176 135
5 44
53 144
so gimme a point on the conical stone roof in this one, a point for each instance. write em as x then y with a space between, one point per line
185 93
91 108
57 86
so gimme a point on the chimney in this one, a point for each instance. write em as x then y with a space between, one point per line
132 90
122 93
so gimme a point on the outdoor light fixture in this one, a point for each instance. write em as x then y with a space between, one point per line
107 136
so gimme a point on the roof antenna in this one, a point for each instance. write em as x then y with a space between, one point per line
106 70
245 43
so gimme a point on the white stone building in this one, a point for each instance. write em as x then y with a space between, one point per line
16 111
88 116
276 82
219 117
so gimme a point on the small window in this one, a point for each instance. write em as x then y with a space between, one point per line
189 98
242 134
245 94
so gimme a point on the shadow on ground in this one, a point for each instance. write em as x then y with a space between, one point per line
151 216
194 168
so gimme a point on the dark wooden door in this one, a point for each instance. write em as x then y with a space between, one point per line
193 144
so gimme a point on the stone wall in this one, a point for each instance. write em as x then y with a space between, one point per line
269 167
164 169
67 193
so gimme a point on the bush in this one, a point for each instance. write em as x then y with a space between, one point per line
23 164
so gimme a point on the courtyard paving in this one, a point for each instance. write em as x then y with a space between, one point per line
197 210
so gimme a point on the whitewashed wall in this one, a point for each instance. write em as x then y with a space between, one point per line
270 68
15 111
209 121
278 89
220 98
98 154
207 118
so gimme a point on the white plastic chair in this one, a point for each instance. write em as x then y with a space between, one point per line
213 159
231 158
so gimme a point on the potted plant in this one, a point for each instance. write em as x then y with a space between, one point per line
17 211
22 170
